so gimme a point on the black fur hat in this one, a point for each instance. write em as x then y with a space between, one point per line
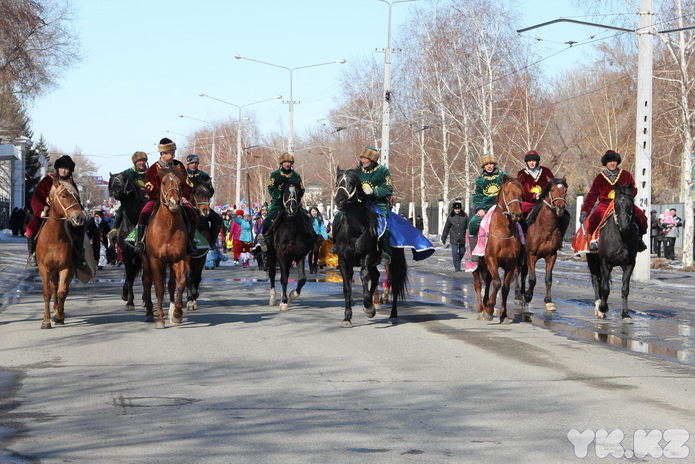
532 156
64 162
610 155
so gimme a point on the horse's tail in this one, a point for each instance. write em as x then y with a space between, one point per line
399 274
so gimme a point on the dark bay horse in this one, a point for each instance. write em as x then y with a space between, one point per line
54 249
502 251
122 187
356 244
166 240
290 242
617 246
543 239
200 200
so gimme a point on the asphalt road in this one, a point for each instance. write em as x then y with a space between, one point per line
241 382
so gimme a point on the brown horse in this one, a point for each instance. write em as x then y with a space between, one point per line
546 226
166 238
54 249
502 250
200 200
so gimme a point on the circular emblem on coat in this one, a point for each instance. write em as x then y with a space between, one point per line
536 189
611 195
491 190
365 185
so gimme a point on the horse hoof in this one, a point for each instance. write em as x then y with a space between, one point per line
284 307
149 318
485 316
600 315
191 306
393 321
377 307
627 320
550 306
505 321
294 295
46 325
130 307
172 315
369 311
518 301
159 325
347 325
59 321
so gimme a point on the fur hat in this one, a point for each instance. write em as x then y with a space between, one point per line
370 153
532 156
64 162
192 158
487 158
138 155
286 157
609 156
166 145
456 204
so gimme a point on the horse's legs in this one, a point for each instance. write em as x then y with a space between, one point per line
604 288
147 294
159 283
595 270
496 282
284 277
549 266
627 274
179 275
368 286
294 294
61 295
48 287
531 272
127 295
270 262
346 272
477 284
506 285
386 285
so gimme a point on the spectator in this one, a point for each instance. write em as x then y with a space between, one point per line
672 229
455 228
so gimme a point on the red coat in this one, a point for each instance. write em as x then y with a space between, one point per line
39 200
153 181
603 190
533 186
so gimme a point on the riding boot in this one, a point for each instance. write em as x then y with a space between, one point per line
140 245
263 242
117 222
472 242
192 249
31 247
641 246
385 249
79 251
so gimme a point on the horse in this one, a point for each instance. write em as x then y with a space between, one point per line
122 187
290 242
166 241
200 200
502 251
356 244
543 239
617 246
54 249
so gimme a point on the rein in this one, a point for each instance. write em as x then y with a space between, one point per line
341 186
507 203
65 209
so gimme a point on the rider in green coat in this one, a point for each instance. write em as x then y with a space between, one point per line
137 173
487 186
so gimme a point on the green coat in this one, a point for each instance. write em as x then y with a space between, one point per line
200 178
275 184
378 177
487 186
137 176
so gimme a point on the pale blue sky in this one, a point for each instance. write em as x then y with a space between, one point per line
146 61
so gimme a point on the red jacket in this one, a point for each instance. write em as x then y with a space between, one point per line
603 190
39 199
533 185
153 181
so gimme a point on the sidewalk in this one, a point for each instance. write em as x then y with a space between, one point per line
13 258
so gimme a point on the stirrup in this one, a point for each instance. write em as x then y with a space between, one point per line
31 261
263 242
593 246
385 259
140 247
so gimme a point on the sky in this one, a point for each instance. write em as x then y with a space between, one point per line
145 62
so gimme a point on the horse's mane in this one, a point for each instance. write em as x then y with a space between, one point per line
174 171
66 185
203 189
354 178
544 193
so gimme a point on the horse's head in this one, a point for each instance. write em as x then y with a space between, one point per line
200 200
121 186
348 188
291 197
509 198
65 203
624 207
554 195
170 189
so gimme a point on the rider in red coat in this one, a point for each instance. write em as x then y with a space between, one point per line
64 167
153 181
534 177
603 189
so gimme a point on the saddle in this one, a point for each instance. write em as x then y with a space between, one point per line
581 240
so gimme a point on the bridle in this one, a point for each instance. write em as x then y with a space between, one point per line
74 204
552 204
291 200
164 194
342 185
506 211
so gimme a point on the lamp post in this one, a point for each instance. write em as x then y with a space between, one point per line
291 102
238 138
386 120
212 157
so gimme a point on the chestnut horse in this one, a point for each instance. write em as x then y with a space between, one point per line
54 249
502 250
200 200
543 239
166 241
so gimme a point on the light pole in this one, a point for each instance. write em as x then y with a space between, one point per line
386 120
291 102
212 157
238 138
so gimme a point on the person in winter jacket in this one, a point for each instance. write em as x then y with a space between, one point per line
455 229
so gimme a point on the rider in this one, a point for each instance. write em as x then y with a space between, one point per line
487 186
64 167
137 173
603 189
278 178
198 177
153 181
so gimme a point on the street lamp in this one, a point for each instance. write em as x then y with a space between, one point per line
386 121
290 136
238 138
212 157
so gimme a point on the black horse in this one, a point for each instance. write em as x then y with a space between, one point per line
200 200
618 245
122 187
356 244
292 240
